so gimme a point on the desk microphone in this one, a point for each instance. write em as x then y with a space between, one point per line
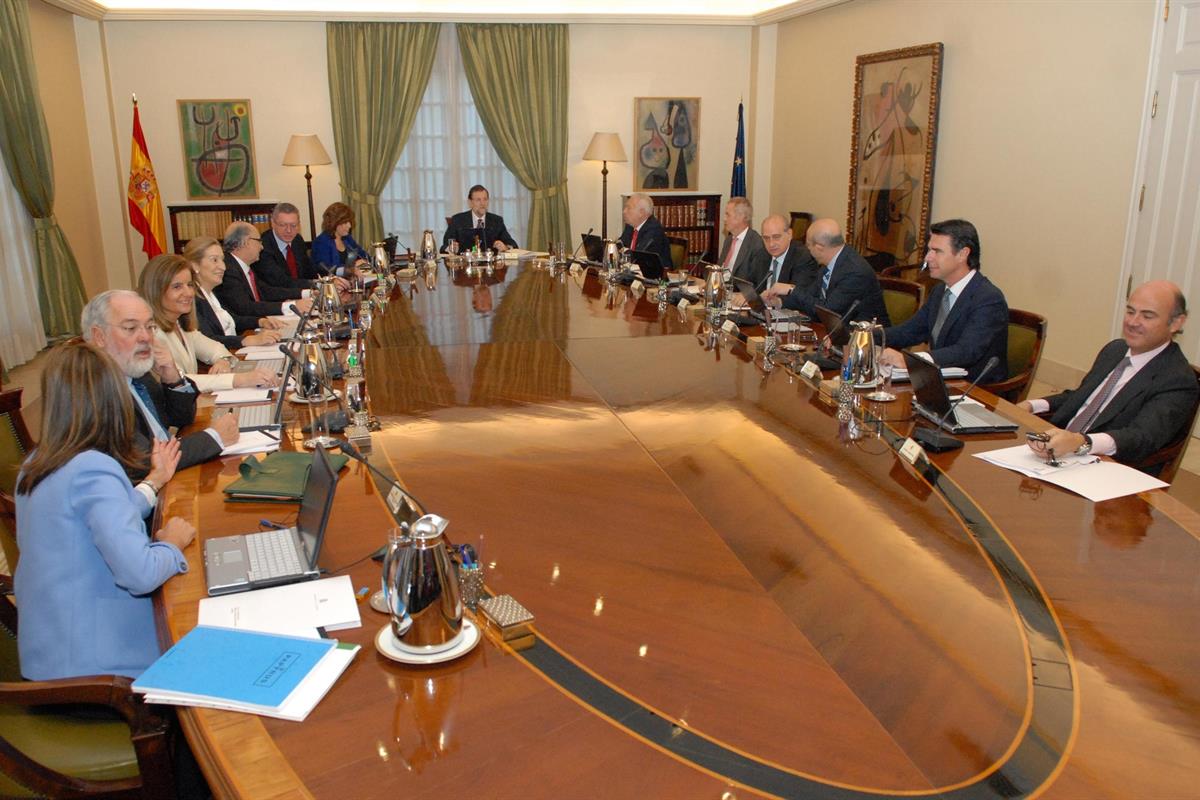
353 452
582 240
936 439
842 320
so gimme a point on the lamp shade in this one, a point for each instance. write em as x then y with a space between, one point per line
304 149
605 147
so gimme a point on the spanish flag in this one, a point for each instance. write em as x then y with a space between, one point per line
145 205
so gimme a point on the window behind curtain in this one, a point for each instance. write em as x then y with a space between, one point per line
21 334
447 153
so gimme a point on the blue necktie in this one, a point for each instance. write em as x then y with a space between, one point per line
825 282
157 428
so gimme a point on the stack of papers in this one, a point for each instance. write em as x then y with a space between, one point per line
1085 475
249 394
296 609
901 375
237 670
253 442
515 253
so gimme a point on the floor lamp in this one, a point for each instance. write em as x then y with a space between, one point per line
304 149
604 147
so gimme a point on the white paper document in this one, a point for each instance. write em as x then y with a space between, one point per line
263 355
296 609
229 397
253 442
1085 475
256 349
900 375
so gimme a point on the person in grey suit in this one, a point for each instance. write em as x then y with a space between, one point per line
1140 393
748 259
844 279
964 321
791 264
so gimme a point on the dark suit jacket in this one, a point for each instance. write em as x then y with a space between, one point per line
175 410
799 268
1149 411
271 267
462 230
234 293
651 239
852 279
210 326
976 329
752 260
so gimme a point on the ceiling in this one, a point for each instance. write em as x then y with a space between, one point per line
696 12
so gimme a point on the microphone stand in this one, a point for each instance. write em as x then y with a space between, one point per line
938 440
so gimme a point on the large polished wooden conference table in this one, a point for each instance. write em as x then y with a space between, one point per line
734 596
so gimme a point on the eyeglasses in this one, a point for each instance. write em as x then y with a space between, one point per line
132 328
287 226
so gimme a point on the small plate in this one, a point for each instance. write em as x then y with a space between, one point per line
386 644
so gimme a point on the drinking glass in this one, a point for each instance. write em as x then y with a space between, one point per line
883 393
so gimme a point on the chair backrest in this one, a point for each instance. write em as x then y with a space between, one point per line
800 222
1167 459
679 250
901 297
1026 336
15 443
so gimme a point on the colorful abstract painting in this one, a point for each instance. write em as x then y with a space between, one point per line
218 149
666 135
892 152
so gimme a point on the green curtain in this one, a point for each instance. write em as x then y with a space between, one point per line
378 72
25 145
518 76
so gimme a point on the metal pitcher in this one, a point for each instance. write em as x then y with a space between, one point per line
312 370
421 584
860 351
612 255
428 246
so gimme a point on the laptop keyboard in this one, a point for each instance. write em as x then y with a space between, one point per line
272 554
272 365
260 416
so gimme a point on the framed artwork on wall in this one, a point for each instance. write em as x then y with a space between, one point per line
218 149
666 135
892 146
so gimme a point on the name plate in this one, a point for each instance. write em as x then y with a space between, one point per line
811 371
395 499
910 451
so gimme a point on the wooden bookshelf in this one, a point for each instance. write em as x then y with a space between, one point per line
694 217
211 219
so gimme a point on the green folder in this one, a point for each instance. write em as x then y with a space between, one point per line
280 477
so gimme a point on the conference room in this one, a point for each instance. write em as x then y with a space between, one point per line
733 595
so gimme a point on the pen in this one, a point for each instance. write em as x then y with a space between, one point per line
266 523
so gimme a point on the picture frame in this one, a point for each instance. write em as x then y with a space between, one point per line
666 144
893 143
218 149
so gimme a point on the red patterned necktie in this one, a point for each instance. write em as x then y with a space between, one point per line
253 285
291 262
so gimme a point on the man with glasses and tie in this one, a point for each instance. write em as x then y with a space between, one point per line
844 278
477 225
121 323
284 261
964 320
1139 393
792 266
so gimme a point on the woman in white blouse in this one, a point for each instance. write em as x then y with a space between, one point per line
207 258
166 284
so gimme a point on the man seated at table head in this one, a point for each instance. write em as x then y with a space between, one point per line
1139 394
964 320
241 291
643 232
122 324
844 279
791 267
742 252
478 224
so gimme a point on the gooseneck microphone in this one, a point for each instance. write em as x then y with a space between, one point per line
842 320
416 505
938 440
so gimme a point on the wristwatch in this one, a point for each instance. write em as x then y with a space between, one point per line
1086 447
175 384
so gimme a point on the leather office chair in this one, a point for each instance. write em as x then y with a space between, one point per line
679 249
800 222
15 443
901 297
1026 335
1168 459
52 752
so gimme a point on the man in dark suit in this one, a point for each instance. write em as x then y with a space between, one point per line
643 232
791 264
844 278
120 323
1139 394
743 251
241 291
477 224
284 261
965 318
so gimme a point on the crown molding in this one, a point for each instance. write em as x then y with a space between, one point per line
796 9
82 8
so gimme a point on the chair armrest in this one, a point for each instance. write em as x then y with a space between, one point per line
105 690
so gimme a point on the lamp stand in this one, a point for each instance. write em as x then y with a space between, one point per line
604 208
312 220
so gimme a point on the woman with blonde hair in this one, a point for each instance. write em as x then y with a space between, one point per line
166 284
87 566
207 258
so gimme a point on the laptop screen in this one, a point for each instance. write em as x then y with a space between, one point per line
927 384
753 298
831 320
650 263
593 247
316 505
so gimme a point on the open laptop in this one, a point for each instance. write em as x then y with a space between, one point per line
649 263
593 247
931 400
269 558
263 416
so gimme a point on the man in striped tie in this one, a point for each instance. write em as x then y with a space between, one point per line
1139 394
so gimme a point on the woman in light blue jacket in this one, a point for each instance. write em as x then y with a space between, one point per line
87 566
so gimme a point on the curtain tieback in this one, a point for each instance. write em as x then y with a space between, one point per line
363 197
549 191
45 223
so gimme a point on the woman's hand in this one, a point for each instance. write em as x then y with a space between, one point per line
269 323
257 378
176 531
262 337
220 367
164 458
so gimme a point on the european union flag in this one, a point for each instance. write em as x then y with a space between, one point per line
737 184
